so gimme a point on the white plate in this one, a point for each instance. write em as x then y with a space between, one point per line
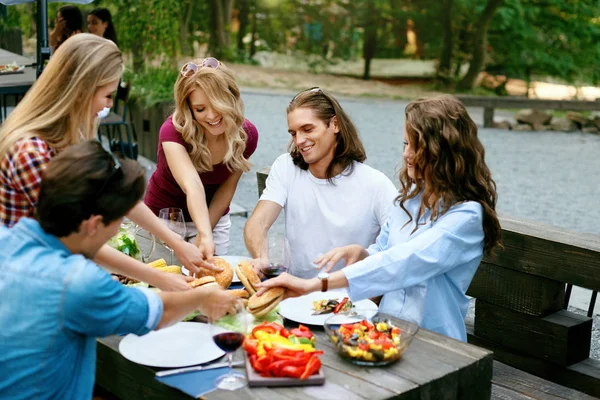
180 345
300 309
232 260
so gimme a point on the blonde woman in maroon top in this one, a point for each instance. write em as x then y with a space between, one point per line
203 150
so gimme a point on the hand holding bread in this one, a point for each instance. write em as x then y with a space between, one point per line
259 306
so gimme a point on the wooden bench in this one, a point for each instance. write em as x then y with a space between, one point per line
491 103
520 295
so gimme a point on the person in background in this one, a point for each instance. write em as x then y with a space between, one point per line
100 23
68 22
429 249
59 110
330 197
55 300
203 149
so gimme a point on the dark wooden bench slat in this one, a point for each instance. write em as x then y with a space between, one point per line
550 252
516 290
583 376
531 385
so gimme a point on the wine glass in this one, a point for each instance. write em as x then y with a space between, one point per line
173 218
229 340
277 256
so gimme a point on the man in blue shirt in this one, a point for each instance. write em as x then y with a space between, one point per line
54 301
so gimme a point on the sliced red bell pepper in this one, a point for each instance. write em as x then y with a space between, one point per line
312 367
271 328
292 371
261 364
302 331
250 345
340 305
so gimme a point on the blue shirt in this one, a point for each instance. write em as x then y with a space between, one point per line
53 305
423 275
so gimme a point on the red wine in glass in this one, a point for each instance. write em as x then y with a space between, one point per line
229 341
274 270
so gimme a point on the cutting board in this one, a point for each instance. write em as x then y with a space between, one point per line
254 379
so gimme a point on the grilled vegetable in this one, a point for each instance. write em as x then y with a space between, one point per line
329 306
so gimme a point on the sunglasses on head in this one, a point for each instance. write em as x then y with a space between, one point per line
191 68
314 90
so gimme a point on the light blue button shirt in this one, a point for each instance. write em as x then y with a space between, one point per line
53 305
423 275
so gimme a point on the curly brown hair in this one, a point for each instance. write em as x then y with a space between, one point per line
348 148
449 163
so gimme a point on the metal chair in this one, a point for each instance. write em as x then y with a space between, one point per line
111 125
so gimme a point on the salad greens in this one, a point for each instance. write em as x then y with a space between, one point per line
125 242
229 322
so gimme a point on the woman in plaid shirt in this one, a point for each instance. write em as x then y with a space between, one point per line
82 75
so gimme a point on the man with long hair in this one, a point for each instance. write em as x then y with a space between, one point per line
330 197
55 300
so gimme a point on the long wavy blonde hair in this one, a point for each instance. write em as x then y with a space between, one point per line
57 108
224 95
451 161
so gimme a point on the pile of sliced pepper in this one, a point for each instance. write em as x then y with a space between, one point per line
276 352
369 342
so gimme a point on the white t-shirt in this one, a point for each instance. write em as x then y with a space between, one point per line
320 216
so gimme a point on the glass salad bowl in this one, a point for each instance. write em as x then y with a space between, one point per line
370 338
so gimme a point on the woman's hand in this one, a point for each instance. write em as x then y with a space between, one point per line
56 34
351 254
295 286
206 245
170 282
192 257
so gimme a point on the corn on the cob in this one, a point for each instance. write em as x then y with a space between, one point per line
174 269
158 263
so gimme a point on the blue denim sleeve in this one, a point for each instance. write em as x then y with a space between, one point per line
96 305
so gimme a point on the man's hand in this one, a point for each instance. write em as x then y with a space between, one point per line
295 286
351 254
170 282
216 301
259 265
192 258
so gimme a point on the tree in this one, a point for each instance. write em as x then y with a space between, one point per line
220 28
479 45
244 16
546 38
445 64
370 42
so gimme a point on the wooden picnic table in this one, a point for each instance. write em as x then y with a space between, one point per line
433 367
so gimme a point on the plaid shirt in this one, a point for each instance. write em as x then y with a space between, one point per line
21 177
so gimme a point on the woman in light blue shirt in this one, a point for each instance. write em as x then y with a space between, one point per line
429 249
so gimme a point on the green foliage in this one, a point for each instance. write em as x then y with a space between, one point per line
560 38
149 28
152 86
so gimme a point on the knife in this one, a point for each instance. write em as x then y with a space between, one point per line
197 368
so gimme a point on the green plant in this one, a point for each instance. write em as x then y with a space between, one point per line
153 86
